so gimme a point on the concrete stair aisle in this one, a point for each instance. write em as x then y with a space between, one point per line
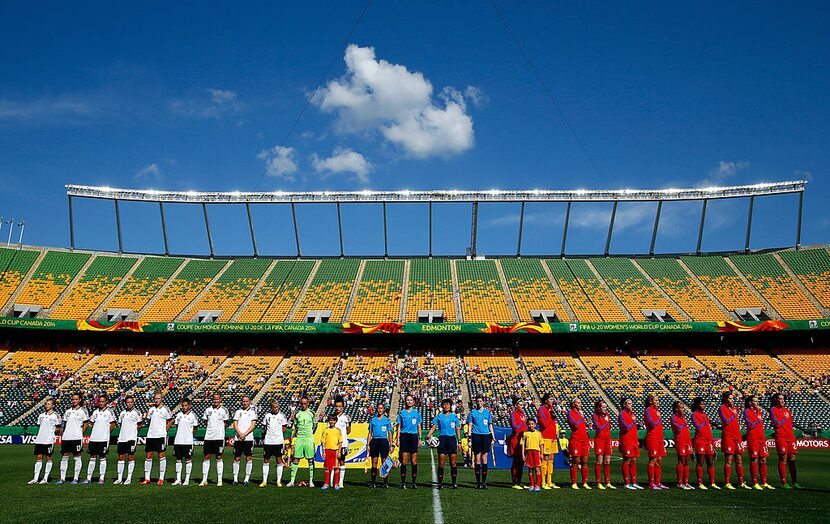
46 313
273 378
657 380
98 314
612 406
355 287
511 304
824 311
253 292
321 409
559 293
396 392
608 290
459 315
9 305
303 291
729 314
198 297
137 314
530 385
198 389
670 300
405 289
465 388
773 314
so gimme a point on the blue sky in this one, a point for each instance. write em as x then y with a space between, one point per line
428 95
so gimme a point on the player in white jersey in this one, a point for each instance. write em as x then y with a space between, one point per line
75 422
186 424
216 418
130 421
344 424
275 424
160 421
244 422
48 424
103 422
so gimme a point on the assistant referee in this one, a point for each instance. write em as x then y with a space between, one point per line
481 438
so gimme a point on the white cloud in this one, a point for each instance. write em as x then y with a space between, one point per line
343 160
219 104
150 172
476 96
279 162
48 109
723 171
376 95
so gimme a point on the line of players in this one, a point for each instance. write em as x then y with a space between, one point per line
528 446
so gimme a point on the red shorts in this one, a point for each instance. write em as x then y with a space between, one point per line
533 459
602 447
629 450
684 449
579 448
656 448
732 446
704 447
330 461
786 446
757 448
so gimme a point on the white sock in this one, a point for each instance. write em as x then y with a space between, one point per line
79 464
235 471
220 469
279 473
187 469
119 468
162 467
39 464
249 465
90 468
178 471
330 480
205 469
48 469
342 474
148 467
64 466
130 468
266 467
102 470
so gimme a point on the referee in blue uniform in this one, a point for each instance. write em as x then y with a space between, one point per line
408 440
481 438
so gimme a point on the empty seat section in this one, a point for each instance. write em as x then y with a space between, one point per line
620 377
714 273
633 290
686 378
244 374
309 373
496 377
581 305
330 289
231 289
812 267
52 276
14 264
276 296
775 285
101 276
531 288
677 284
429 379
144 282
811 365
364 379
480 292
596 293
430 288
378 296
181 291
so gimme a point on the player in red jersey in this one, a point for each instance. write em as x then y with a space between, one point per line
601 423
518 426
629 444
703 443
550 442
782 421
731 440
579 445
756 441
655 443
682 443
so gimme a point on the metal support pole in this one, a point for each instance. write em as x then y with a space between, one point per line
702 222
611 227
656 225
474 230
749 223
71 226
11 230
385 238
22 227
430 230
521 225
296 231
164 229
565 230
251 226
207 228
118 227
340 230
798 226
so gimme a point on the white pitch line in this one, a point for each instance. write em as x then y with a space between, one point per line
436 498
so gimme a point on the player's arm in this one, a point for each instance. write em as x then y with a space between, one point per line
58 428
458 436
169 424
431 430
420 430
252 428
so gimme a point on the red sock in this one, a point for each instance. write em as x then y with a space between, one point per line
650 469
782 472
753 470
740 468
727 472
327 477
679 472
607 473
573 474
686 474
336 476
597 469
658 474
633 471
699 473
625 473
711 474
763 472
584 474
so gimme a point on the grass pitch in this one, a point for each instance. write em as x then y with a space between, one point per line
357 503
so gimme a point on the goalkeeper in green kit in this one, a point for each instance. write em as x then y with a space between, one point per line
302 436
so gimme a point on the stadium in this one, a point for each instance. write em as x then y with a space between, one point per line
512 376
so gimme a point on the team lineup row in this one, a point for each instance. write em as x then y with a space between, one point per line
533 442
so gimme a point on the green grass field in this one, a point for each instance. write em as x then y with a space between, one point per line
357 503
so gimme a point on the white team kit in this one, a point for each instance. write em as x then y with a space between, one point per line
99 442
128 420
273 442
343 423
216 420
156 441
245 420
45 444
185 424
72 440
